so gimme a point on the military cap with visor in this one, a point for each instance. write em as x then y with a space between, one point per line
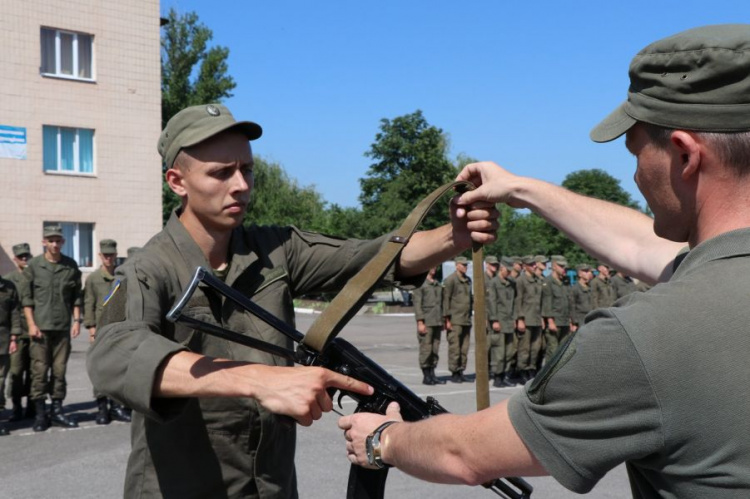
194 124
583 266
560 260
108 246
461 259
52 230
491 260
528 260
22 249
696 80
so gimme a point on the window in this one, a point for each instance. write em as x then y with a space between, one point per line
79 242
68 149
66 54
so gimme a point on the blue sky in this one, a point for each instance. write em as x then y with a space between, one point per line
518 83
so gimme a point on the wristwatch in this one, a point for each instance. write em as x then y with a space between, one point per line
372 446
79 321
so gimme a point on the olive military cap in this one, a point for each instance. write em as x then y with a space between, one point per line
583 266
21 249
698 79
506 262
541 259
516 259
52 230
108 246
492 260
560 260
461 259
528 260
195 124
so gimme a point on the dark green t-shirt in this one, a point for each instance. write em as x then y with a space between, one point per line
639 384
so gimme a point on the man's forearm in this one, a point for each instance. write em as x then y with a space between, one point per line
610 232
427 249
468 449
188 374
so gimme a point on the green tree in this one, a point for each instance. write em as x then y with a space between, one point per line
191 74
410 162
280 200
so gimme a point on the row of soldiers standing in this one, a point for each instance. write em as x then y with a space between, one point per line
38 303
528 315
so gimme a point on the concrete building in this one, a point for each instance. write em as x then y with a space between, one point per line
80 114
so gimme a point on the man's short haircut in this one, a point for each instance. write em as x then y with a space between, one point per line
732 148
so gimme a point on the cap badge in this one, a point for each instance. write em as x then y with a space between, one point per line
213 110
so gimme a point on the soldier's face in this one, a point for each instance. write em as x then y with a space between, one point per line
22 261
108 259
53 245
216 180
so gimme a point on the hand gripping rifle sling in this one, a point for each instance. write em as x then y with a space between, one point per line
321 347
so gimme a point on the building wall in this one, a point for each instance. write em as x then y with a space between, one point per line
123 197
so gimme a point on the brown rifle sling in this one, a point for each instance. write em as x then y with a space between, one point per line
351 298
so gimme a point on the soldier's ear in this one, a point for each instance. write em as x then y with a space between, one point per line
175 180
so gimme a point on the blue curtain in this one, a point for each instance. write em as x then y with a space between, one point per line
49 145
86 245
67 142
86 151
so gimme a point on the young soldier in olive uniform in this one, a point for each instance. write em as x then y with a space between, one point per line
528 310
580 296
10 328
19 384
505 297
457 303
213 418
51 291
622 284
602 292
428 312
556 306
97 288
494 336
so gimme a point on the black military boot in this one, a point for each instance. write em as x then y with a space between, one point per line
102 413
58 418
3 430
17 412
513 378
464 379
457 378
437 380
426 378
30 412
119 412
41 423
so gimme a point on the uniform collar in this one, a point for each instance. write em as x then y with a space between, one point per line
727 245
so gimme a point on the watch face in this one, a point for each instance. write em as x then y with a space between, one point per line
369 451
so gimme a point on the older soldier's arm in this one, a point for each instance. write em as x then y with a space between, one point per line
449 448
620 236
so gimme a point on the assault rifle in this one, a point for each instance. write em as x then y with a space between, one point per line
342 357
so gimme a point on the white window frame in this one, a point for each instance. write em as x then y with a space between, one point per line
75 243
76 152
58 56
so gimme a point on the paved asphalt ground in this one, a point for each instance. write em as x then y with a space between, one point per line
89 462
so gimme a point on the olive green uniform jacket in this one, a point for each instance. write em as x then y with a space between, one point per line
457 299
602 293
556 301
97 287
528 304
10 315
580 302
622 286
210 447
428 305
52 290
16 277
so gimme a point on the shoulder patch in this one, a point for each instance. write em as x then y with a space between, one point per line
113 308
561 357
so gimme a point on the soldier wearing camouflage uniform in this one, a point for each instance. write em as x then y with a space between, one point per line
580 296
10 328
428 312
602 292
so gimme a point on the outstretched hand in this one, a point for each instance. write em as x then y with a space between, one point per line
301 392
494 185
359 425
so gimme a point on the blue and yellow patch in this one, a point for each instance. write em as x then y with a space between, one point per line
112 292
